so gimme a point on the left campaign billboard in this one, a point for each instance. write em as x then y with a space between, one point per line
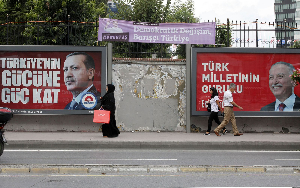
52 79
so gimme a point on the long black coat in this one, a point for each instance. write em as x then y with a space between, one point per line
108 103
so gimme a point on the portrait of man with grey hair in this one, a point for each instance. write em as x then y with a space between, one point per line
79 72
282 87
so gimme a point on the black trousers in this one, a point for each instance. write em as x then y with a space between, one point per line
213 116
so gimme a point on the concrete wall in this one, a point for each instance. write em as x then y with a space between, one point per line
51 123
150 97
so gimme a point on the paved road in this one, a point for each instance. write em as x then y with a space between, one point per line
149 168
152 157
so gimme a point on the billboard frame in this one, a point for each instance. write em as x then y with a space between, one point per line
194 53
59 48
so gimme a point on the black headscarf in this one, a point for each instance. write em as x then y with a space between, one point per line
108 100
111 88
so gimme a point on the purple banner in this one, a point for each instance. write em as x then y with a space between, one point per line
144 32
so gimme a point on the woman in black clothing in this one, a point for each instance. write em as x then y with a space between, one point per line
108 103
215 106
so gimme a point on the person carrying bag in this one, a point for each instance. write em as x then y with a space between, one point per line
108 103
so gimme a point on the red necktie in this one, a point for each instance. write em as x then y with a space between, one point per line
281 106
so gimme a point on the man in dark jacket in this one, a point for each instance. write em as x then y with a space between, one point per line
282 86
79 71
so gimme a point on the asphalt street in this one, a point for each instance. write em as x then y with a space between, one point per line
42 164
151 157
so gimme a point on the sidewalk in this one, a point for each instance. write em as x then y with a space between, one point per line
152 140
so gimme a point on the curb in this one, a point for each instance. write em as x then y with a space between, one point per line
103 169
244 145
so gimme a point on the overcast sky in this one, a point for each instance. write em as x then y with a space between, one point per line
240 10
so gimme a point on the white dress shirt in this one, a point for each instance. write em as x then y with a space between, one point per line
228 98
289 103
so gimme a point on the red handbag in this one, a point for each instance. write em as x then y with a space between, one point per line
101 116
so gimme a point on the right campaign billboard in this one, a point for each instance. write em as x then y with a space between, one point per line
262 77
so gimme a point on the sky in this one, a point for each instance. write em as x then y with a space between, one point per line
246 11
240 10
236 10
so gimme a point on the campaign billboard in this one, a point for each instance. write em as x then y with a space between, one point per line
52 79
145 32
262 77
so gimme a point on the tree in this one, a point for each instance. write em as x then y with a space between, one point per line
63 21
153 11
223 34
182 12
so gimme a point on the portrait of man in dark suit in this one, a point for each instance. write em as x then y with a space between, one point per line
79 71
282 87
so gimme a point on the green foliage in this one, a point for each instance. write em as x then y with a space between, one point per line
153 11
56 22
182 12
296 44
222 36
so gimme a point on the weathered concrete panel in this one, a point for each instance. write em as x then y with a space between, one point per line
66 123
150 97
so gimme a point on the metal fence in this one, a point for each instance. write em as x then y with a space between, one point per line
86 33
277 35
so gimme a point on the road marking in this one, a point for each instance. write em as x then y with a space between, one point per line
271 151
138 159
44 150
49 150
217 174
287 159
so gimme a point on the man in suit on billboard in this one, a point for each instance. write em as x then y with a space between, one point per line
79 71
282 86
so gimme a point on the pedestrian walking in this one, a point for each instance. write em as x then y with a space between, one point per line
228 111
108 103
215 106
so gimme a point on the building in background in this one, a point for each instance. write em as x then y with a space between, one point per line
112 6
287 18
